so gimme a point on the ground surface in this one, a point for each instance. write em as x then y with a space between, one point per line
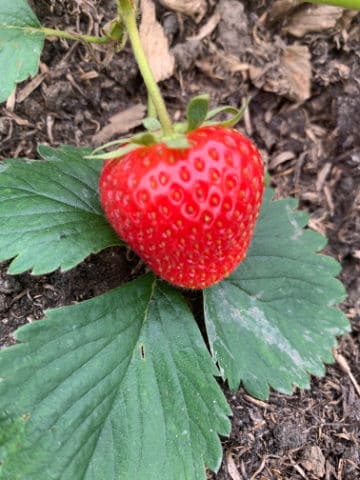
305 89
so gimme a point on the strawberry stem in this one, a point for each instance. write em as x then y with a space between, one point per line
152 113
127 10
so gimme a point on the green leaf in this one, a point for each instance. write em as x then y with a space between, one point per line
20 44
118 387
12 432
274 319
50 215
197 111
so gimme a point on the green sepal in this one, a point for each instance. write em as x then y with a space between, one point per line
144 138
120 152
198 115
129 144
152 124
176 142
196 112
122 141
180 127
238 114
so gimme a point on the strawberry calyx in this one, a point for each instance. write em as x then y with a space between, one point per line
197 115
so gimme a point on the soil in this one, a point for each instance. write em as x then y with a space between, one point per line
305 90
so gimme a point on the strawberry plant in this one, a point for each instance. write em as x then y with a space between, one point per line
123 385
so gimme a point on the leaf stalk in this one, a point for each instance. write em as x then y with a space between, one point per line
351 4
51 32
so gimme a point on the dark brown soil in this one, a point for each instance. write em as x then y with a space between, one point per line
312 149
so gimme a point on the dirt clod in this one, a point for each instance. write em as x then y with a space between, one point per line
9 284
313 460
290 434
233 29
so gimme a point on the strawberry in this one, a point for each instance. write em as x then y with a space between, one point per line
189 213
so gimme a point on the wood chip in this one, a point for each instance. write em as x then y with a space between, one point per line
280 9
192 8
316 224
247 118
322 175
297 71
258 403
313 18
89 75
155 43
30 87
299 470
329 199
49 128
341 360
10 102
121 123
281 158
231 468
22 122
289 75
208 28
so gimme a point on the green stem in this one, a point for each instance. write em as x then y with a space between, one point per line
351 4
127 11
151 108
50 32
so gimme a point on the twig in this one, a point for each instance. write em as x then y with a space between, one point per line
346 369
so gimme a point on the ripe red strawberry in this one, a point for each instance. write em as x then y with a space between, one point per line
189 213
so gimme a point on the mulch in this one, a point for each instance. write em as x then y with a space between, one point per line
305 91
